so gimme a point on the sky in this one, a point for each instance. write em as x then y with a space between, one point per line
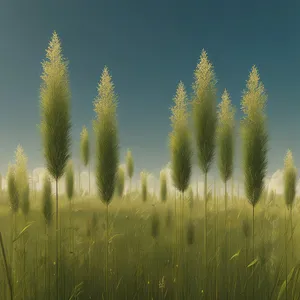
148 47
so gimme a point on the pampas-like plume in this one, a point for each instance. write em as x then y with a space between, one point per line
129 167
290 181
69 180
144 185
180 142
225 153
55 120
163 186
85 150
255 138
22 183
107 146
120 182
290 177
205 122
12 189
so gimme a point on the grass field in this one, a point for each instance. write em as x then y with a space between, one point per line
142 259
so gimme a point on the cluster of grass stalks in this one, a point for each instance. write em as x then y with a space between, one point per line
180 246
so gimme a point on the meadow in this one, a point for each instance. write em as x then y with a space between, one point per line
164 245
141 260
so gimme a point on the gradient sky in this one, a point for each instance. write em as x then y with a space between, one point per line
148 46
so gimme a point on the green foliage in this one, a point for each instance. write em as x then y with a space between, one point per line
144 185
180 142
47 200
204 111
107 144
255 137
55 111
163 186
12 189
120 182
290 178
84 146
129 164
69 180
225 136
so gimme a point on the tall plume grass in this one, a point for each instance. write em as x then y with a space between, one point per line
144 185
225 143
55 121
85 151
163 191
254 145
107 146
181 153
120 182
205 123
129 167
290 178
14 204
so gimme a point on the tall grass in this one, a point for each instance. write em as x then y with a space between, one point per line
290 178
255 138
107 147
225 143
144 185
129 167
120 182
205 123
85 151
181 156
55 121
163 191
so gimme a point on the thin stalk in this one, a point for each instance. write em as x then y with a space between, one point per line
56 242
6 268
253 252
106 254
286 260
226 271
216 242
292 232
205 232
89 179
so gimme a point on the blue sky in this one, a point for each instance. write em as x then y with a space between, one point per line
148 46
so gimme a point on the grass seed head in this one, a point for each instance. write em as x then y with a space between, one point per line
55 109
163 186
129 164
180 141
120 182
84 146
290 179
204 111
107 141
69 180
225 136
12 189
255 138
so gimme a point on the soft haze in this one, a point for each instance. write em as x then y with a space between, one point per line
148 46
